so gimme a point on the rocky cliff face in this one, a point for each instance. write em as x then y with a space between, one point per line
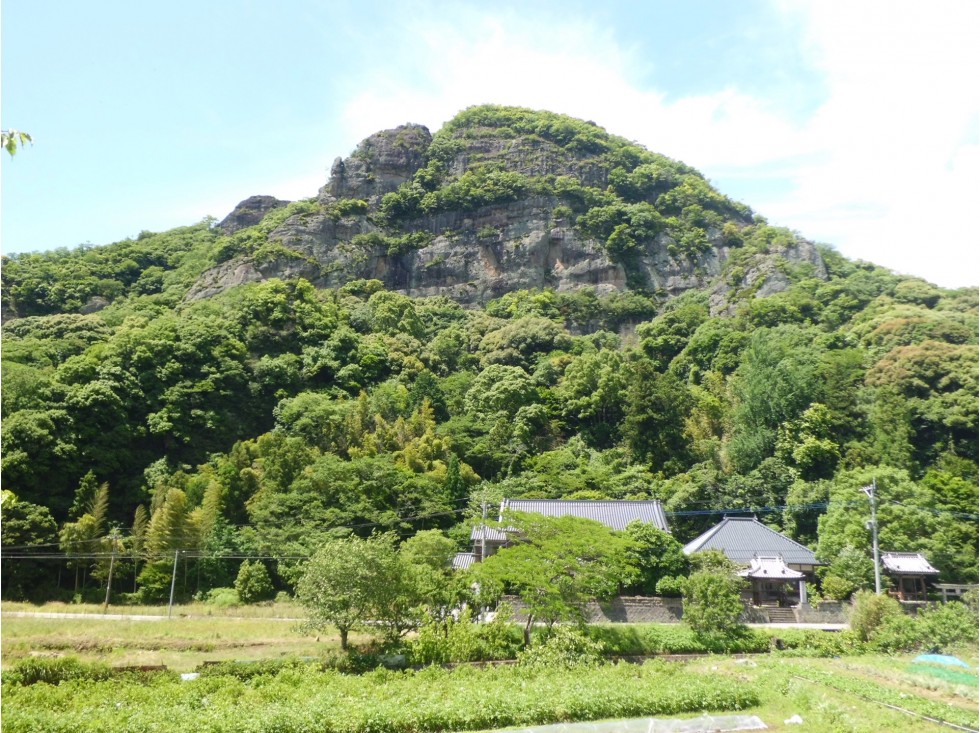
475 252
379 165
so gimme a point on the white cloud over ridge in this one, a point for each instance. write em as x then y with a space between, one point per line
887 168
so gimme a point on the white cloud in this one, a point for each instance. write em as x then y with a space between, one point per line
898 129
885 168
581 71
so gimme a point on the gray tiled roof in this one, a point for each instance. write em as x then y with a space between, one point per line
463 560
742 538
490 534
614 514
907 563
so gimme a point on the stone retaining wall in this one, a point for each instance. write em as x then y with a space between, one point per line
622 609
824 612
654 609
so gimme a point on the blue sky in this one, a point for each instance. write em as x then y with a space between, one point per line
854 123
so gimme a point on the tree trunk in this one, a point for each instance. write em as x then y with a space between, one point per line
343 637
527 631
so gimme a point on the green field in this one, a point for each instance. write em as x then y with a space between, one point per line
833 694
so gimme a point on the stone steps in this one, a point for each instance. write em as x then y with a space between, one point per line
781 616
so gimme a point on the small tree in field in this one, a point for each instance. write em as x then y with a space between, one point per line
345 581
713 604
253 583
429 579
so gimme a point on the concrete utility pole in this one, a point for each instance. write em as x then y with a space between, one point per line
173 583
870 491
113 538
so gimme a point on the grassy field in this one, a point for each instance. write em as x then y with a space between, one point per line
195 634
829 694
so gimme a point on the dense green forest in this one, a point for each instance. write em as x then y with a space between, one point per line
275 415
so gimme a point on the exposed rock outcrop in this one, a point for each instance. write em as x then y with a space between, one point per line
250 212
380 164
766 274
475 253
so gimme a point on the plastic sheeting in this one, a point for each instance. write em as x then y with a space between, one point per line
703 724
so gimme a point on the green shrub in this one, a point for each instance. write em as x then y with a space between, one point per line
971 600
836 588
393 245
713 605
562 212
253 583
649 639
671 586
851 570
815 643
870 612
895 633
155 580
564 648
348 207
945 625
462 640
222 597
55 671
352 661
878 623
488 233
249 670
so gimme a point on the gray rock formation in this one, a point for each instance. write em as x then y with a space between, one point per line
249 212
765 274
380 164
477 255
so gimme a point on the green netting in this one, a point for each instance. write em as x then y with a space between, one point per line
955 676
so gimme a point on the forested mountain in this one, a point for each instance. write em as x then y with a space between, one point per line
520 304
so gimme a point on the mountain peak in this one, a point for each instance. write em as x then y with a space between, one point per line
507 198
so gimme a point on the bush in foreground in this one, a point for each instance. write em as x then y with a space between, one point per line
564 648
441 641
54 671
713 605
871 612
